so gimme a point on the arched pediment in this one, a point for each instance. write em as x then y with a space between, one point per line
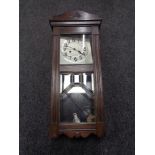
76 15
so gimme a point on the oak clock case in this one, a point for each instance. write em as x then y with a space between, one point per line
76 86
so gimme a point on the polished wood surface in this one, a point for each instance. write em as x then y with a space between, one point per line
76 15
76 68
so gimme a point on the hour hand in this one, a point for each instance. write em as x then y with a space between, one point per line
81 52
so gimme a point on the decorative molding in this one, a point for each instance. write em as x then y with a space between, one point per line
75 15
78 134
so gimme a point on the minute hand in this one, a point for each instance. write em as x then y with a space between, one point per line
76 50
81 53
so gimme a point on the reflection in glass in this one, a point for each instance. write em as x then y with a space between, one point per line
77 103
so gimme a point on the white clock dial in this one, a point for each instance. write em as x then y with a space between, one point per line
75 51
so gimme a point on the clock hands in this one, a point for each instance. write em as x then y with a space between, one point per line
76 50
81 53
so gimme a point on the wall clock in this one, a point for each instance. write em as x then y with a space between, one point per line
76 86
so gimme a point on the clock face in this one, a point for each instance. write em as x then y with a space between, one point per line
75 49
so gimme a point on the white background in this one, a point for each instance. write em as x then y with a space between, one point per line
145 77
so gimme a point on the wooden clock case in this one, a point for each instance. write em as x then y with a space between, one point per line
76 22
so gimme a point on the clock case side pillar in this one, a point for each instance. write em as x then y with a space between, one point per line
100 122
54 124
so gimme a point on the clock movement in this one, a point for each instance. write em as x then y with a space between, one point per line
77 107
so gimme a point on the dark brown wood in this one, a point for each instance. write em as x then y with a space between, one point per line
72 30
78 133
75 18
75 30
76 15
76 68
76 22
75 126
55 88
